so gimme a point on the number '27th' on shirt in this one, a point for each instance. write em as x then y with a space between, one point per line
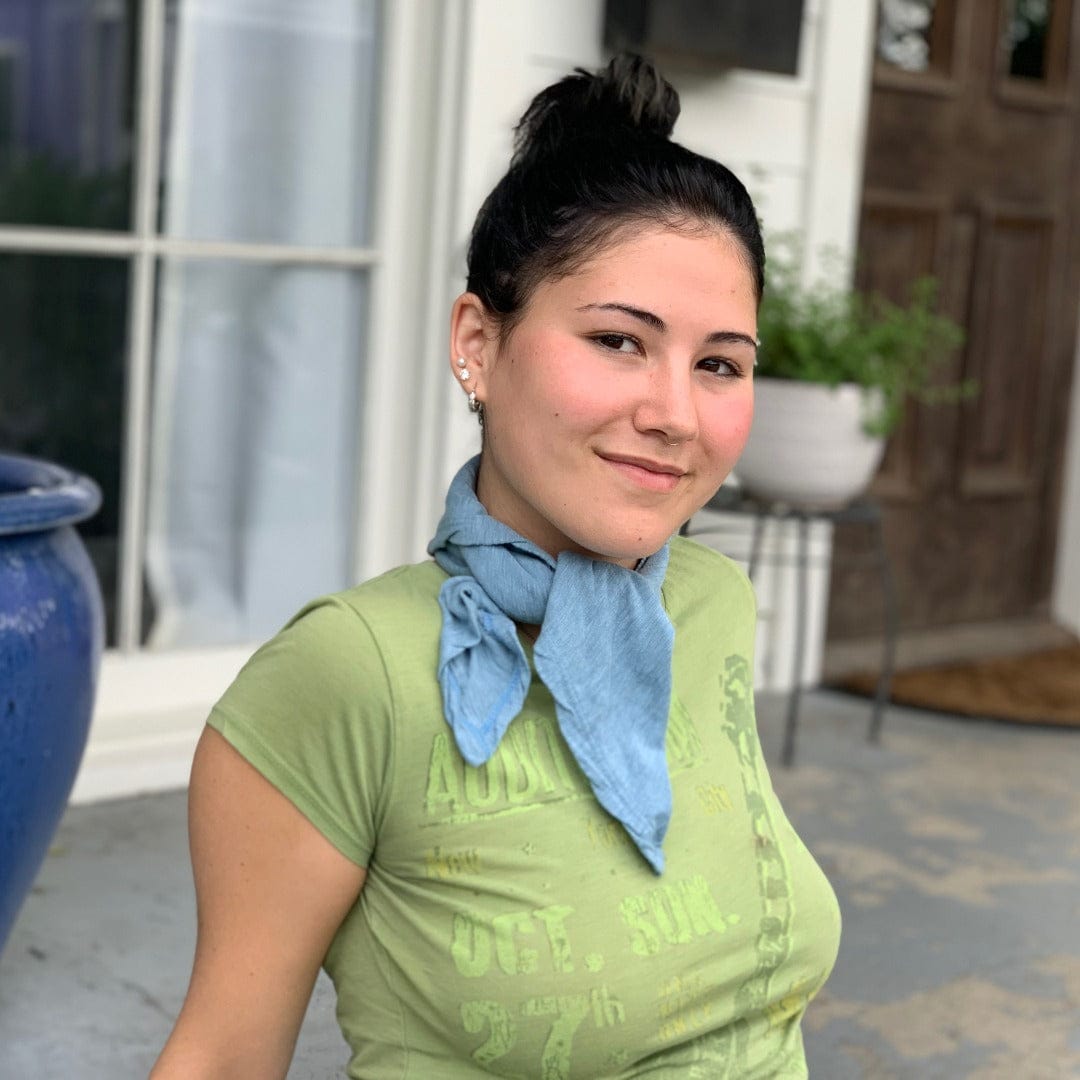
508 927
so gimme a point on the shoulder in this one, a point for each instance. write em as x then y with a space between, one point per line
702 582
316 709
400 612
398 598
336 644
415 582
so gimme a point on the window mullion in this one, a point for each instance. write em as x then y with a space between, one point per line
48 240
140 324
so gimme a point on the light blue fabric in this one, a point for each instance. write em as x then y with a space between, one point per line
604 652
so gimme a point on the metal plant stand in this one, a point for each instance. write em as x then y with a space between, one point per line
864 511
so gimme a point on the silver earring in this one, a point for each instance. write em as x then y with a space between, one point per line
474 405
464 373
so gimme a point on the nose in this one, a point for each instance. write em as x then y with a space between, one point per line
668 406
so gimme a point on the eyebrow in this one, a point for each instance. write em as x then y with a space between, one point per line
717 337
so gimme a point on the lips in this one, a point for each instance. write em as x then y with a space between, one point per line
644 463
645 473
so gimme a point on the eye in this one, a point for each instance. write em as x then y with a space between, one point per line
618 342
718 365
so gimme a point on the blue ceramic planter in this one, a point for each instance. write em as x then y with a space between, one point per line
51 633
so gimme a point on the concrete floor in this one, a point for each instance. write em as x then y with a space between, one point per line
954 848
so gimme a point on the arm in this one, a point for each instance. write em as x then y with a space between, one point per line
271 892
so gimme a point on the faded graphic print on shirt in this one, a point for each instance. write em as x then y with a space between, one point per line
651 959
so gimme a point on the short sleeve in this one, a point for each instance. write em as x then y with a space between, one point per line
312 712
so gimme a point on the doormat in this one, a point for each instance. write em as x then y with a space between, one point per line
1034 688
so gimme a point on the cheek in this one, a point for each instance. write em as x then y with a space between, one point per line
728 426
574 390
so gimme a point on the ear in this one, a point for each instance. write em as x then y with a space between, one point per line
473 338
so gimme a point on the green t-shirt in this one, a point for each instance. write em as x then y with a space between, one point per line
508 926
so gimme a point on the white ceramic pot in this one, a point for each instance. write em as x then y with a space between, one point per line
807 446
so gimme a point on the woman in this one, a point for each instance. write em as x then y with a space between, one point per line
513 799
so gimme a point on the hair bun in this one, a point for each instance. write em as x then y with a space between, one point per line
629 94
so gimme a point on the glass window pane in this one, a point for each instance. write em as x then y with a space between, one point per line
905 33
66 93
269 120
1027 38
63 323
256 382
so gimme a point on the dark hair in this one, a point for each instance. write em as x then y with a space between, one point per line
592 155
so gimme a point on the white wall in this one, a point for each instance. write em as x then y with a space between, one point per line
797 143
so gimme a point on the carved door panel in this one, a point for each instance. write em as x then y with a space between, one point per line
973 174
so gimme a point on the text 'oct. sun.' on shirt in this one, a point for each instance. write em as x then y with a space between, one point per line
508 926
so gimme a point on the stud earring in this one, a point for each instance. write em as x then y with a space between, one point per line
461 361
464 373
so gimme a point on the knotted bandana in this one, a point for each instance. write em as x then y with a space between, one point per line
604 652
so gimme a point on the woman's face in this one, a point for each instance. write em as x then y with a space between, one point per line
623 397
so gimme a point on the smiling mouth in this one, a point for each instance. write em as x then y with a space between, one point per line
654 476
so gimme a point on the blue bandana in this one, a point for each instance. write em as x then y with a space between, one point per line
604 652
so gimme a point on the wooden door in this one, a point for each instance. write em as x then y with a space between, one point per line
973 174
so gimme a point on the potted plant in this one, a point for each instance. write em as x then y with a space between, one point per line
835 368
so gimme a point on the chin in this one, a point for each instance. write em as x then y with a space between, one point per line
626 551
